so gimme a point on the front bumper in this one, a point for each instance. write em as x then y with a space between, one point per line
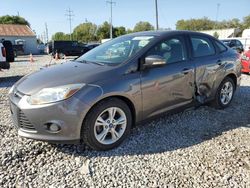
245 66
32 120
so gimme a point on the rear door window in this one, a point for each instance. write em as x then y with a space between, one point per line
221 46
202 46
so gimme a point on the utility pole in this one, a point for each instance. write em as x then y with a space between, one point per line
111 17
217 12
46 33
70 16
156 14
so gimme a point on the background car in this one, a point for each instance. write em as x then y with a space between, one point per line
3 63
245 62
68 48
91 46
234 44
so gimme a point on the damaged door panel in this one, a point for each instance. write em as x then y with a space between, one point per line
209 67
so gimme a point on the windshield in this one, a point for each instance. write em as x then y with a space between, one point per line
117 50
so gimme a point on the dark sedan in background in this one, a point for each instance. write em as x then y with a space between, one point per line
99 96
234 44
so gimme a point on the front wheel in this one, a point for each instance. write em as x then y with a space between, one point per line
107 124
224 94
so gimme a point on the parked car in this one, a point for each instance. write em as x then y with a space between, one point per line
48 48
41 48
92 46
18 49
234 44
68 48
98 97
3 63
10 56
245 62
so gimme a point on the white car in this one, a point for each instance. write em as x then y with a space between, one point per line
3 63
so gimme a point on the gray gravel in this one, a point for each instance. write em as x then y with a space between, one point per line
196 148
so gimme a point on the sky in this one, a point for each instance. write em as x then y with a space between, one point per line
125 12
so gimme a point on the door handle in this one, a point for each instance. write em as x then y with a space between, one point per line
186 71
219 62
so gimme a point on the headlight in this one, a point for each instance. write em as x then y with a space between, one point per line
54 94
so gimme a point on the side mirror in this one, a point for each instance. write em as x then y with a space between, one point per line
154 60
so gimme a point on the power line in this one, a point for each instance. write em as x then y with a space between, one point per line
46 33
70 17
217 12
156 14
111 17
217 15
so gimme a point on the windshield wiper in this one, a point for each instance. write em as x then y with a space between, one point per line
98 63
84 61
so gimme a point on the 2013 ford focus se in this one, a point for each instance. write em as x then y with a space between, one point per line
98 97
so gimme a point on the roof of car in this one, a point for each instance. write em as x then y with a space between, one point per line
165 33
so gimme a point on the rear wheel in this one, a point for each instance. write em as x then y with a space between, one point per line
224 94
107 124
61 55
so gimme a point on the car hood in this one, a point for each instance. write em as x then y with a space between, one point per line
63 74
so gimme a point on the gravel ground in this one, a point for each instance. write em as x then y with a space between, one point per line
196 148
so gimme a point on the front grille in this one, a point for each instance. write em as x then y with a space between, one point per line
24 123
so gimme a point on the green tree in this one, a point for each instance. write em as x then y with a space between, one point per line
7 19
195 24
246 22
85 32
143 26
226 24
103 31
129 31
60 36
118 31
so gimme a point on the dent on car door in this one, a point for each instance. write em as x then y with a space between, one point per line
209 67
171 85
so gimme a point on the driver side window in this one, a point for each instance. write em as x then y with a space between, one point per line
172 50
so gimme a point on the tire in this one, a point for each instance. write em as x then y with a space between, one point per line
4 65
218 101
106 136
10 57
61 55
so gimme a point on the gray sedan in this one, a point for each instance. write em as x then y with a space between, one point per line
98 97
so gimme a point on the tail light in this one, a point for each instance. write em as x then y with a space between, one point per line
3 52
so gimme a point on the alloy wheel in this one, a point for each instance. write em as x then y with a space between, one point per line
226 93
110 125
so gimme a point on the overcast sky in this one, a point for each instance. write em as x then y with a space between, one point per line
126 12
